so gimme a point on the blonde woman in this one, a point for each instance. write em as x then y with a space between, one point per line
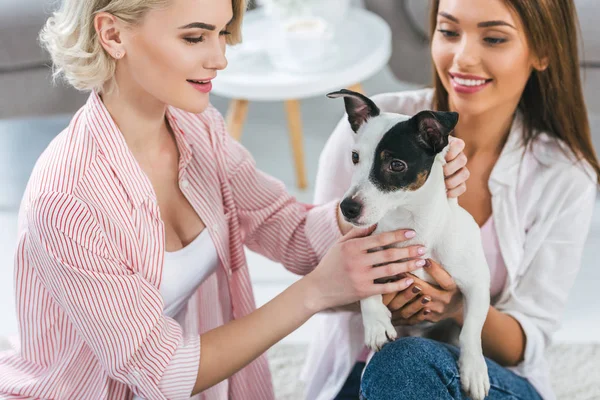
130 269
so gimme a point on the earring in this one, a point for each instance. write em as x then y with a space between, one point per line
118 55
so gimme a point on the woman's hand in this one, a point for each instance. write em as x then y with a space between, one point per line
346 274
426 302
455 170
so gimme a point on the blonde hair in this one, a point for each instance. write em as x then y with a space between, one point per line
77 55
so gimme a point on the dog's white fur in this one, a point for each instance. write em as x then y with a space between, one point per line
450 235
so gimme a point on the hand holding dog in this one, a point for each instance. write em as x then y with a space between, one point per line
346 274
423 301
408 311
455 170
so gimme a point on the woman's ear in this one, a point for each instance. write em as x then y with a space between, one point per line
540 64
108 29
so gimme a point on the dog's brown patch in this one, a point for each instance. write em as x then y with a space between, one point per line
421 179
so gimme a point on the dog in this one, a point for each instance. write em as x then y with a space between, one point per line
398 183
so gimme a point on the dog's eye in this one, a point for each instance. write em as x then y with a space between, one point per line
398 166
355 157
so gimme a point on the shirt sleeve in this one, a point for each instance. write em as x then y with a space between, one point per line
180 376
552 263
272 222
117 314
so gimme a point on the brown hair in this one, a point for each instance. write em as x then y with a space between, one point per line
552 100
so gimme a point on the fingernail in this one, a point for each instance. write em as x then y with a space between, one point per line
426 300
427 263
416 289
409 281
421 250
426 312
420 263
410 234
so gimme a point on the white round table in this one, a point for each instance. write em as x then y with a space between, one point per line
362 48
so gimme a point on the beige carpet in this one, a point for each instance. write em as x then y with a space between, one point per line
575 370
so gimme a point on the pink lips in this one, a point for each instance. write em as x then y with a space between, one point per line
463 87
202 87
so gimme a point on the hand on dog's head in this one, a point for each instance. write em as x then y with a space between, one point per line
393 155
434 128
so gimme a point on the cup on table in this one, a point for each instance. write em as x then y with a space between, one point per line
305 40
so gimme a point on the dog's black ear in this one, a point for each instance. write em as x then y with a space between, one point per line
358 107
434 128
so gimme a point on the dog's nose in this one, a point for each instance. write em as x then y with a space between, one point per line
350 208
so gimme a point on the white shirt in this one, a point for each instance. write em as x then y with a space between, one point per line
542 204
183 271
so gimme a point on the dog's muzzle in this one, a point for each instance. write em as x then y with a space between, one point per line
351 209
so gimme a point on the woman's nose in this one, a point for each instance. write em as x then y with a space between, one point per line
467 53
217 59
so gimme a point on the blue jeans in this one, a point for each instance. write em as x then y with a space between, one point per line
351 387
421 369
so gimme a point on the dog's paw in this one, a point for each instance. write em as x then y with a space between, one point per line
379 330
474 376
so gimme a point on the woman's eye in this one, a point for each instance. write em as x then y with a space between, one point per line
491 40
447 33
201 37
398 166
355 157
194 39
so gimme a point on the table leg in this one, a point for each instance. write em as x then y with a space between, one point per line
236 115
292 109
357 87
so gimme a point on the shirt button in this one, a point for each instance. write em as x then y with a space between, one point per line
185 183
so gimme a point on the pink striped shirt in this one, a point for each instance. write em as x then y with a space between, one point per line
90 255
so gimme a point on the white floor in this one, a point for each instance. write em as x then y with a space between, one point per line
265 135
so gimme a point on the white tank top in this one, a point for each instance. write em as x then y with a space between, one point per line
183 271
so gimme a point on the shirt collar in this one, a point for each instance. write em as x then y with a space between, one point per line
111 143
185 147
505 172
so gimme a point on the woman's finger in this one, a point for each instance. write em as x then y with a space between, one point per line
403 298
456 147
457 191
385 239
458 178
359 232
388 297
452 166
393 269
443 279
424 315
391 287
414 307
394 254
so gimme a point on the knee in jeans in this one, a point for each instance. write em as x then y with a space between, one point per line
407 358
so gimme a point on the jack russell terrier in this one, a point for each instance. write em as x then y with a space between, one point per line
398 183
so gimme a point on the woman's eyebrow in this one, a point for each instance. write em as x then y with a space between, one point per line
485 24
202 25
